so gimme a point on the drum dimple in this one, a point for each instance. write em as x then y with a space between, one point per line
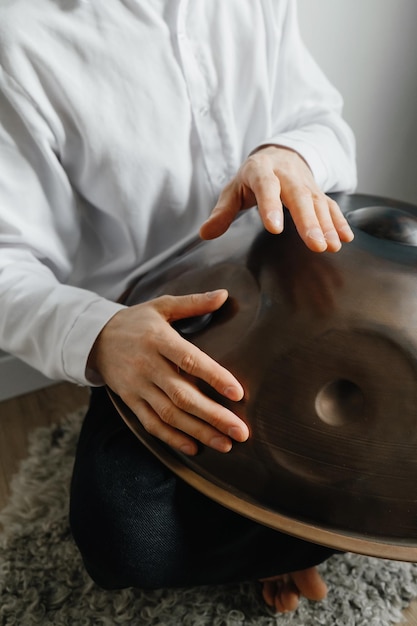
386 222
339 401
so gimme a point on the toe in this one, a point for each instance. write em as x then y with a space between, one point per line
286 599
268 592
310 583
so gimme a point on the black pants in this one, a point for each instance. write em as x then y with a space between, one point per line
138 525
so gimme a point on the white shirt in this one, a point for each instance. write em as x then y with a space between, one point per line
120 122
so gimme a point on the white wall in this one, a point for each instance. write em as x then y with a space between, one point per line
17 378
368 49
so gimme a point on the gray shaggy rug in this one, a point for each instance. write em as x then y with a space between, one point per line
42 580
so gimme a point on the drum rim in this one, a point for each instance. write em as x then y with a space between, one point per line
237 501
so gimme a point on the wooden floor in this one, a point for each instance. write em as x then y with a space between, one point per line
19 416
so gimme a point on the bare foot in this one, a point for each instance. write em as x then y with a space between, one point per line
282 593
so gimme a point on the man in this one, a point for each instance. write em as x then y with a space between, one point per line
122 124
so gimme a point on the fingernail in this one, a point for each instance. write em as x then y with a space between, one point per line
233 393
347 231
213 294
275 220
188 449
236 433
221 444
317 235
333 238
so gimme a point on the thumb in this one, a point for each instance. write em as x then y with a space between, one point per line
223 214
192 305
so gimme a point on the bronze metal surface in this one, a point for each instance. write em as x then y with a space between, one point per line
325 346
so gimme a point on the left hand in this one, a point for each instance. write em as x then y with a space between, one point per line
154 370
274 176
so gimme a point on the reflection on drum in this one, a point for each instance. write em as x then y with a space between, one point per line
325 346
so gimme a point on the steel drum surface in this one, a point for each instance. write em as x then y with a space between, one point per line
325 346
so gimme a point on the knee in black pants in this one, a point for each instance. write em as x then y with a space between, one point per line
137 525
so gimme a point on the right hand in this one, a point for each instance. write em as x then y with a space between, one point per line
273 176
140 357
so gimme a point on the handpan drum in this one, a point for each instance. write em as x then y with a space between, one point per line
325 346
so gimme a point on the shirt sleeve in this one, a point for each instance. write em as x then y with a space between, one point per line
46 322
307 111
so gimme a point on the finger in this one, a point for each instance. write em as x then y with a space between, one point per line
179 416
193 361
197 363
333 223
324 216
169 435
227 207
174 308
191 401
304 204
319 221
340 222
303 212
266 188
184 394
173 397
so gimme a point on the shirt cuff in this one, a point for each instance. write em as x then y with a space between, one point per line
81 337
